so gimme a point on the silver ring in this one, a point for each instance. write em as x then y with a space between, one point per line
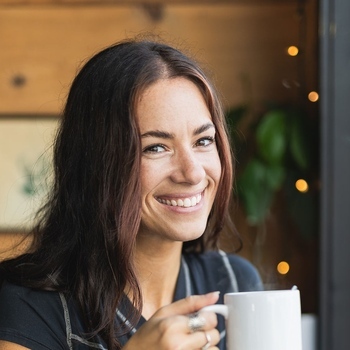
207 345
195 322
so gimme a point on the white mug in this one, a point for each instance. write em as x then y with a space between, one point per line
262 320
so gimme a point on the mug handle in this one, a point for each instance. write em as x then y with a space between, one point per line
217 308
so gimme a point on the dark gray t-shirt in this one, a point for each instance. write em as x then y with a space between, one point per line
42 320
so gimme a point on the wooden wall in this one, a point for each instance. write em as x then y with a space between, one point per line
42 46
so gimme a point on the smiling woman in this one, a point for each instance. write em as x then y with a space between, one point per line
125 251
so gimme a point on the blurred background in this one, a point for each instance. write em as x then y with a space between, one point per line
270 60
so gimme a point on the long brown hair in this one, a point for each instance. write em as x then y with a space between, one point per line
85 238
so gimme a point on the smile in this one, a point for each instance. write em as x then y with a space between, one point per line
183 202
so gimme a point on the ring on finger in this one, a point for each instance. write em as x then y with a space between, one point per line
195 322
208 343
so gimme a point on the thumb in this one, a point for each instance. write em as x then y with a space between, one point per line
188 305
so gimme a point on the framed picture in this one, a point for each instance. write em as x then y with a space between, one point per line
25 168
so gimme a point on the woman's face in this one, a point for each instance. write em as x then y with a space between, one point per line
180 165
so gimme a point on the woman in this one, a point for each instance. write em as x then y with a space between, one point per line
125 252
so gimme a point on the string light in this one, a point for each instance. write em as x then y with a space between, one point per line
283 267
301 185
313 96
292 51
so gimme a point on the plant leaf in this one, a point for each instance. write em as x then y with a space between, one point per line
275 176
271 136
255 191
298 148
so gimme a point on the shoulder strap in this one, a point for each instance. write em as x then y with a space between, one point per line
70 334
67 320
230 272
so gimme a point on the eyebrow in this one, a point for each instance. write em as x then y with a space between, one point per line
168 135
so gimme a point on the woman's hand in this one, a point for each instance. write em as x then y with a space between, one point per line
169 328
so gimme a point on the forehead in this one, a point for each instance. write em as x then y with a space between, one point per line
168 101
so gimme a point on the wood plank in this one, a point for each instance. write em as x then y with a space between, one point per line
42 47
140 2
12 244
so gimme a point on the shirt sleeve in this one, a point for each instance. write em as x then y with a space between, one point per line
33 319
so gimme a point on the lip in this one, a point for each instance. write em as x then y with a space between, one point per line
180 195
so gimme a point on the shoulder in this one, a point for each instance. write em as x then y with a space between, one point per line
13 297
31 318
241 273
42 320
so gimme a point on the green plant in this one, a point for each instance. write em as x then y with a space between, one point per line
277 149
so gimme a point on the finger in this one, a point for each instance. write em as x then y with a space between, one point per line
200 321
182 323
188 305
201 339
211 319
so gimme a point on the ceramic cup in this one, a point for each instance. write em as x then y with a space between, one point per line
263 320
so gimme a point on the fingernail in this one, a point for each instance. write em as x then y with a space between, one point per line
215 293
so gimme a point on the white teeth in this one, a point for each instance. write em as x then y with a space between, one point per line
185 202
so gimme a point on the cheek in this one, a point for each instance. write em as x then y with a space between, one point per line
146 178
214 169
150 177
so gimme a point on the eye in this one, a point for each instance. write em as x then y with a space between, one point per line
205 141
154 149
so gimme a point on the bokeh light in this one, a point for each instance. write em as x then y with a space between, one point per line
313 96
292 51
301 185
283 267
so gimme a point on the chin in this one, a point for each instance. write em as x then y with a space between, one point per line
190 236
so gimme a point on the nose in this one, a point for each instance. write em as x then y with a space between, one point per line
187 168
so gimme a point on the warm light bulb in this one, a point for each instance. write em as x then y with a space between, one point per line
313 96
283 267
292 50
301 185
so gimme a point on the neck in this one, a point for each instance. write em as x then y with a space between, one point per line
157 267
